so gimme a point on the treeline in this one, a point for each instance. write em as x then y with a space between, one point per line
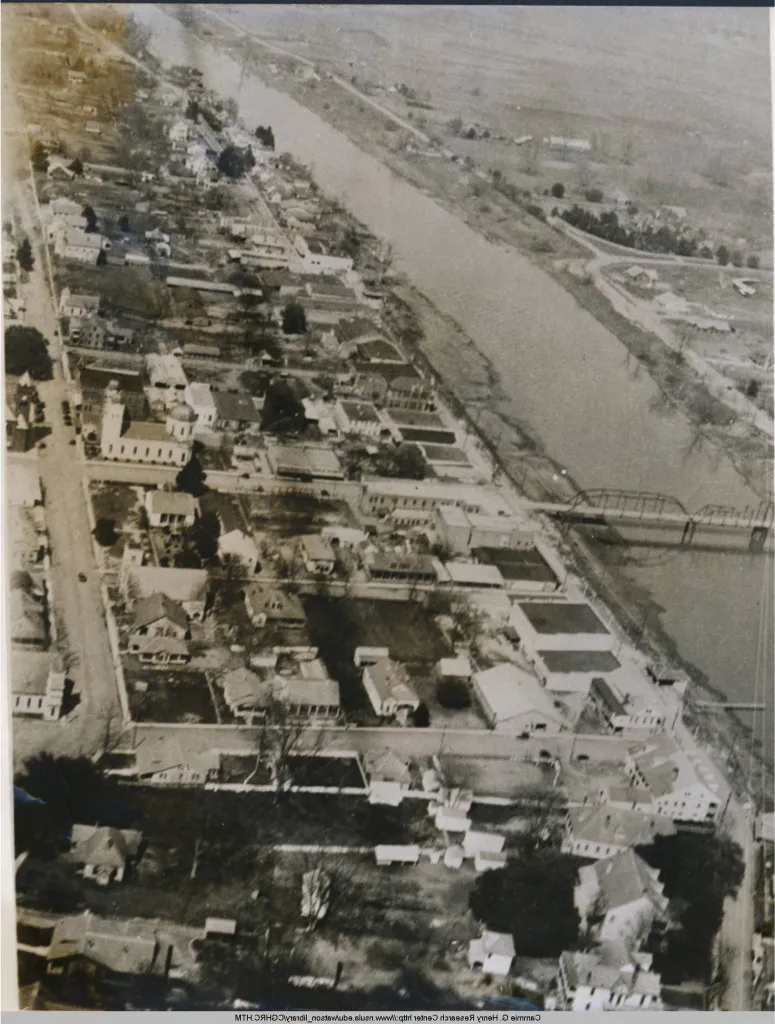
663 240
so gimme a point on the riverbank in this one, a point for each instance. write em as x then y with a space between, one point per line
466 382
592 413
470 195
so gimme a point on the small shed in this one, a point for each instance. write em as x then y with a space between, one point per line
393 854
220 926
493 953
452 819
453 857
476 843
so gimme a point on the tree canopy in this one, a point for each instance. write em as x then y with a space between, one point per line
698 873
283 411
39 158
234 162
105 532
294 319
532 899
204 535
91 218
26 352
558 190
265 136
25 256
191 478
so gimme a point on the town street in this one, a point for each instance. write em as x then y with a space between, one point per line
78 609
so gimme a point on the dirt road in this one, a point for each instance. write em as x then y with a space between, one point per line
77 605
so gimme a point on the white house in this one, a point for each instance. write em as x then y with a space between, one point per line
559 626
626 713
604 980
620 899
104 853
671 304
167 376
189 587
241 546
80 246
682 788
72 304
311 258
199 396
175 509
389 689
38 684
492 953
513 701
360 418
389 777
317 554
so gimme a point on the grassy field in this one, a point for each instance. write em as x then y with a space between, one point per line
172 696
642 85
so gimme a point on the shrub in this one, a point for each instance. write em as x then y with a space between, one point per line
558 190
594 195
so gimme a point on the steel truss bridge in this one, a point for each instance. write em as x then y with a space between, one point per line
645 508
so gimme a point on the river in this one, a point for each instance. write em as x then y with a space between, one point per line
566 377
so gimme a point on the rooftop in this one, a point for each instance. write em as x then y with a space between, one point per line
179 584
605 825
528 564
511 692
624 878
361 412
579 661
235 407
171 503
473 574
126 947
274 603
561 617
158 606
391 681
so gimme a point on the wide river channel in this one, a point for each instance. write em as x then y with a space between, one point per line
567 377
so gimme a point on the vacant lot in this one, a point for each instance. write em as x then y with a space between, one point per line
406 629
290 515
171 696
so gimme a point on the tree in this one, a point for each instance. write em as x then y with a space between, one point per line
455 125
123 223
752 262
594 195
77 167
558 190
736 258
279 739
204 535
39 158
454 694
91 218
722 255
294 319
265 136
69 786
191 478
230 108
105 532
282 412
235 162
25 256
102 258
192 110
532 899
26 351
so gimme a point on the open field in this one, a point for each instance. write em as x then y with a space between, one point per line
668 128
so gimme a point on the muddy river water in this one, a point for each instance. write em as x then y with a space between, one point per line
566 377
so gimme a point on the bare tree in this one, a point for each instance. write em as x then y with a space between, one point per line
281 737
332 887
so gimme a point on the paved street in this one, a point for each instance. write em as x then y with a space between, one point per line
77 606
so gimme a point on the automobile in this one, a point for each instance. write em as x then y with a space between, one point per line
245 476
82 577
41 444
72 440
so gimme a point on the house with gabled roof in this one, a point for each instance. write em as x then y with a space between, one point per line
158 616
387 684
682 787
104 853
492 953
620 899
608 979
267 604
599 831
